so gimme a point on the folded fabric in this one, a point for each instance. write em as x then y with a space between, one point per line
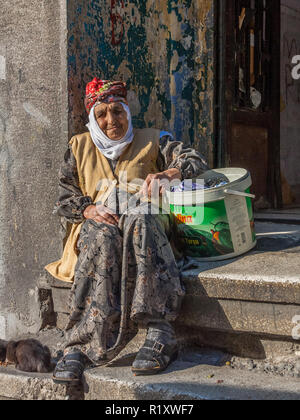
185 186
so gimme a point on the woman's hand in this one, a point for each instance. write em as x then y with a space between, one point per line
159 179
101 214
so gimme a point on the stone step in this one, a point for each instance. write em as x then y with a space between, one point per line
194 376
187 380
17 385
243 305
280 216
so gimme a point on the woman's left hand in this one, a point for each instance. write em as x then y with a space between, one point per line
159 180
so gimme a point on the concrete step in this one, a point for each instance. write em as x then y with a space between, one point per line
249 306
194 376
187 380
291 216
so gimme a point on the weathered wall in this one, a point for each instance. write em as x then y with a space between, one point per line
162 49
290 91
33 134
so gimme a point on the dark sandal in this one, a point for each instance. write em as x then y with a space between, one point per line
155 351
70 369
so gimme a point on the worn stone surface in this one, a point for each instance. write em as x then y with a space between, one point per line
188 380
249 306
195 375
256 293
60 300
47 313
239 316
33 386
198 374
230 313
62 320
33 136
246 345
269 273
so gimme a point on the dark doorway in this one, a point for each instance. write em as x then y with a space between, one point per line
249 93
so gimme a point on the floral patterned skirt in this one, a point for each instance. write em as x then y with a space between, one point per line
125 275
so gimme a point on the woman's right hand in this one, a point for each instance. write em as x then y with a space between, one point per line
101 214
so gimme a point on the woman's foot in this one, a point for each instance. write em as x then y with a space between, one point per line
70 368
158 351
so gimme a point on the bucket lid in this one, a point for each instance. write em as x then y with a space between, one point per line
239 180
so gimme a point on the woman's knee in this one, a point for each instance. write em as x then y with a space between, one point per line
140 217
94 233
149 220
92 226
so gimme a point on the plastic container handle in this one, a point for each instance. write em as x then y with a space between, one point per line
240 193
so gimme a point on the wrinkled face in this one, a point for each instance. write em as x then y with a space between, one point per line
112 119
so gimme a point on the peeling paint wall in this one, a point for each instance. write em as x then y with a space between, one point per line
163 50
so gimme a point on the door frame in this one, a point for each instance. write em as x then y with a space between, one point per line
226 115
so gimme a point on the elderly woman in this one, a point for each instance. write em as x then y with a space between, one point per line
121 262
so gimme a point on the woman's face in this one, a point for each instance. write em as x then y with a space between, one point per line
112 119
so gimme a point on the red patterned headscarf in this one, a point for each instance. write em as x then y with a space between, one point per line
104 91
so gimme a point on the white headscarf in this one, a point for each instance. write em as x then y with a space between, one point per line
112 149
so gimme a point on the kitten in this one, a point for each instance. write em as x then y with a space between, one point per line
28 355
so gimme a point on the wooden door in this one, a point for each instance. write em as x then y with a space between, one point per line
252 94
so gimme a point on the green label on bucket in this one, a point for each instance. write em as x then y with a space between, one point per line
205 231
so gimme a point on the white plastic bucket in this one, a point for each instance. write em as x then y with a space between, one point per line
221 226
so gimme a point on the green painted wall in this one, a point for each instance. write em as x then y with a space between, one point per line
163 50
